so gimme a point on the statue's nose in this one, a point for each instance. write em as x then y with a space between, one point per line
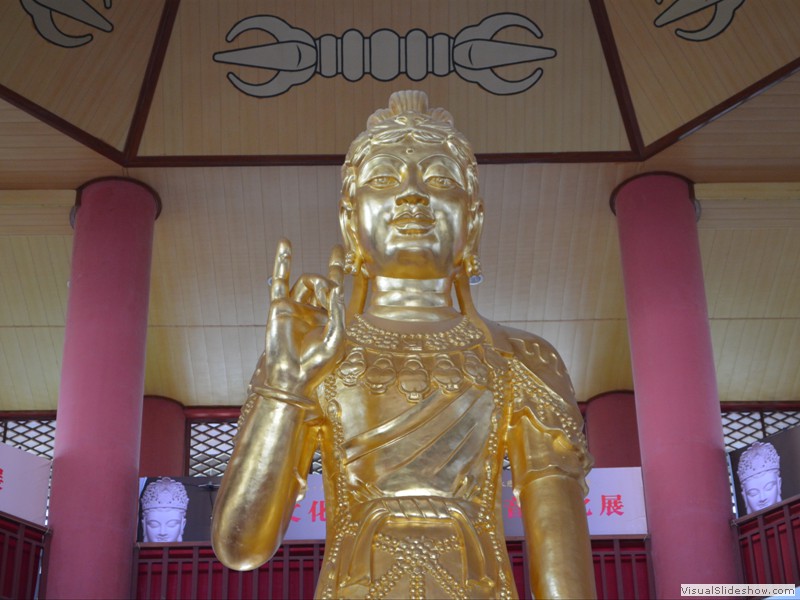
412 195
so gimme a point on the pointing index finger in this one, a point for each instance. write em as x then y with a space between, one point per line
280 274
336 265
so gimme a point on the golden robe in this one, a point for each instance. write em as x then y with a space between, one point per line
414 429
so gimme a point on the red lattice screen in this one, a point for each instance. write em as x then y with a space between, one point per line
22 547
769 543
190 570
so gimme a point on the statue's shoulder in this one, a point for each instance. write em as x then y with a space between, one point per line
536 354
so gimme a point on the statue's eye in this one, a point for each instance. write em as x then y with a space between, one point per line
383 182
441 182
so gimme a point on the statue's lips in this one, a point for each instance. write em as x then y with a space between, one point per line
408 223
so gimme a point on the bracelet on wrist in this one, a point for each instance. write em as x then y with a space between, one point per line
268 392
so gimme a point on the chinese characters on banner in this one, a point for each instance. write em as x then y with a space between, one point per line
615 506
308 520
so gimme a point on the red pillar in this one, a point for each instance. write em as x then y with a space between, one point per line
163 449
611 430
680 430
96 458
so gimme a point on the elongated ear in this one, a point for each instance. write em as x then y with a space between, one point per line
475 227
347 225
346 209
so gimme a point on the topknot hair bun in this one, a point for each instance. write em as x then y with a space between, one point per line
408 101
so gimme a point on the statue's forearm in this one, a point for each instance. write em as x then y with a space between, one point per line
261 484
557 537
548 476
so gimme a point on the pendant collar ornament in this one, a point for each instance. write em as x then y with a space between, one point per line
418 364
460 336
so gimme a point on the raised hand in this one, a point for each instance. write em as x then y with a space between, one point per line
305 326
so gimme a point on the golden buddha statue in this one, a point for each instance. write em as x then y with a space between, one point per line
413 402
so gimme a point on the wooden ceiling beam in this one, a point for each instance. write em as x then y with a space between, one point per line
62 125
151 76
617 74
723 108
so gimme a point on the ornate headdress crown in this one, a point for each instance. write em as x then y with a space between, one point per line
759 457
165 493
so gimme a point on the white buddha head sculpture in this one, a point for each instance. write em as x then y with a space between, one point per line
164 504
760 476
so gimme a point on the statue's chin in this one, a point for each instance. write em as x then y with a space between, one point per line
413 262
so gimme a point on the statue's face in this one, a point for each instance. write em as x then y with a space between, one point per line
411 211
163 524
762 490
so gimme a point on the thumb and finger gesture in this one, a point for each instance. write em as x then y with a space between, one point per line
305 327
